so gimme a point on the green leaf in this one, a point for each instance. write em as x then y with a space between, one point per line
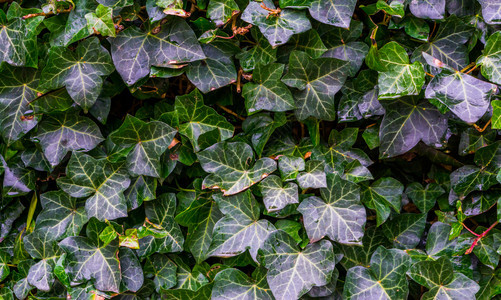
491 11
428 9
277 28
496 114
161 213
142 188
60 133
221 11
267 92
131 269
394 8
441 280
162 270
463 94
261 53
80 71
337 13
41 245
200 218
490 60
145 143
62 215
101 182
231 168
408 121
4 268
17 180
424 198
234 284
216 71
175 43
338 215
447 45
240 228
317 81
290 166
405 230
195 119
275 195
18 87
313 176
88 259
101 21
385 279
356 255
399 78
382 195
292 271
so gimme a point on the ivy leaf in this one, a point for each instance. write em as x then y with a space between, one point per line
234 284
88 259
267 92
490 60
447 45
425 9
424 198
103 183
60 133
385 279
101 21
4 268
308 42
261 53
195 119
292 271
174 43
354 255
405 230
161 213
441 280
399 78
18 87
80 71
216 71
408 121
463 94
317 81
231 169
145 143
336 13
162 270
200 218
313 176
17 180
240 228
290 166
221 11
382 195
277 28
142 188
131 269
172 7
491 11
41 245
61 216
275 195
260 127
338 215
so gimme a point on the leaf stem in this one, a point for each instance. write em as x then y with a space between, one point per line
231 112
480 236
58 11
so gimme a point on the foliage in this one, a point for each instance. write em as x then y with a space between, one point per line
250 149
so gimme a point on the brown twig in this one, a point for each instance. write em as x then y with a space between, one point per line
429 74
239 88
231 112
58 11
273 12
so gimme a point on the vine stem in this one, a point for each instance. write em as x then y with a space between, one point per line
480 236
49 13
231 112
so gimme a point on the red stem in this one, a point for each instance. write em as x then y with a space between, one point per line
480 236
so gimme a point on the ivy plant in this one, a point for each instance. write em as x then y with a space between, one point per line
250 149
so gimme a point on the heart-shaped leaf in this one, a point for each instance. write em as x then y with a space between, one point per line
338 215
275 195
231 168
